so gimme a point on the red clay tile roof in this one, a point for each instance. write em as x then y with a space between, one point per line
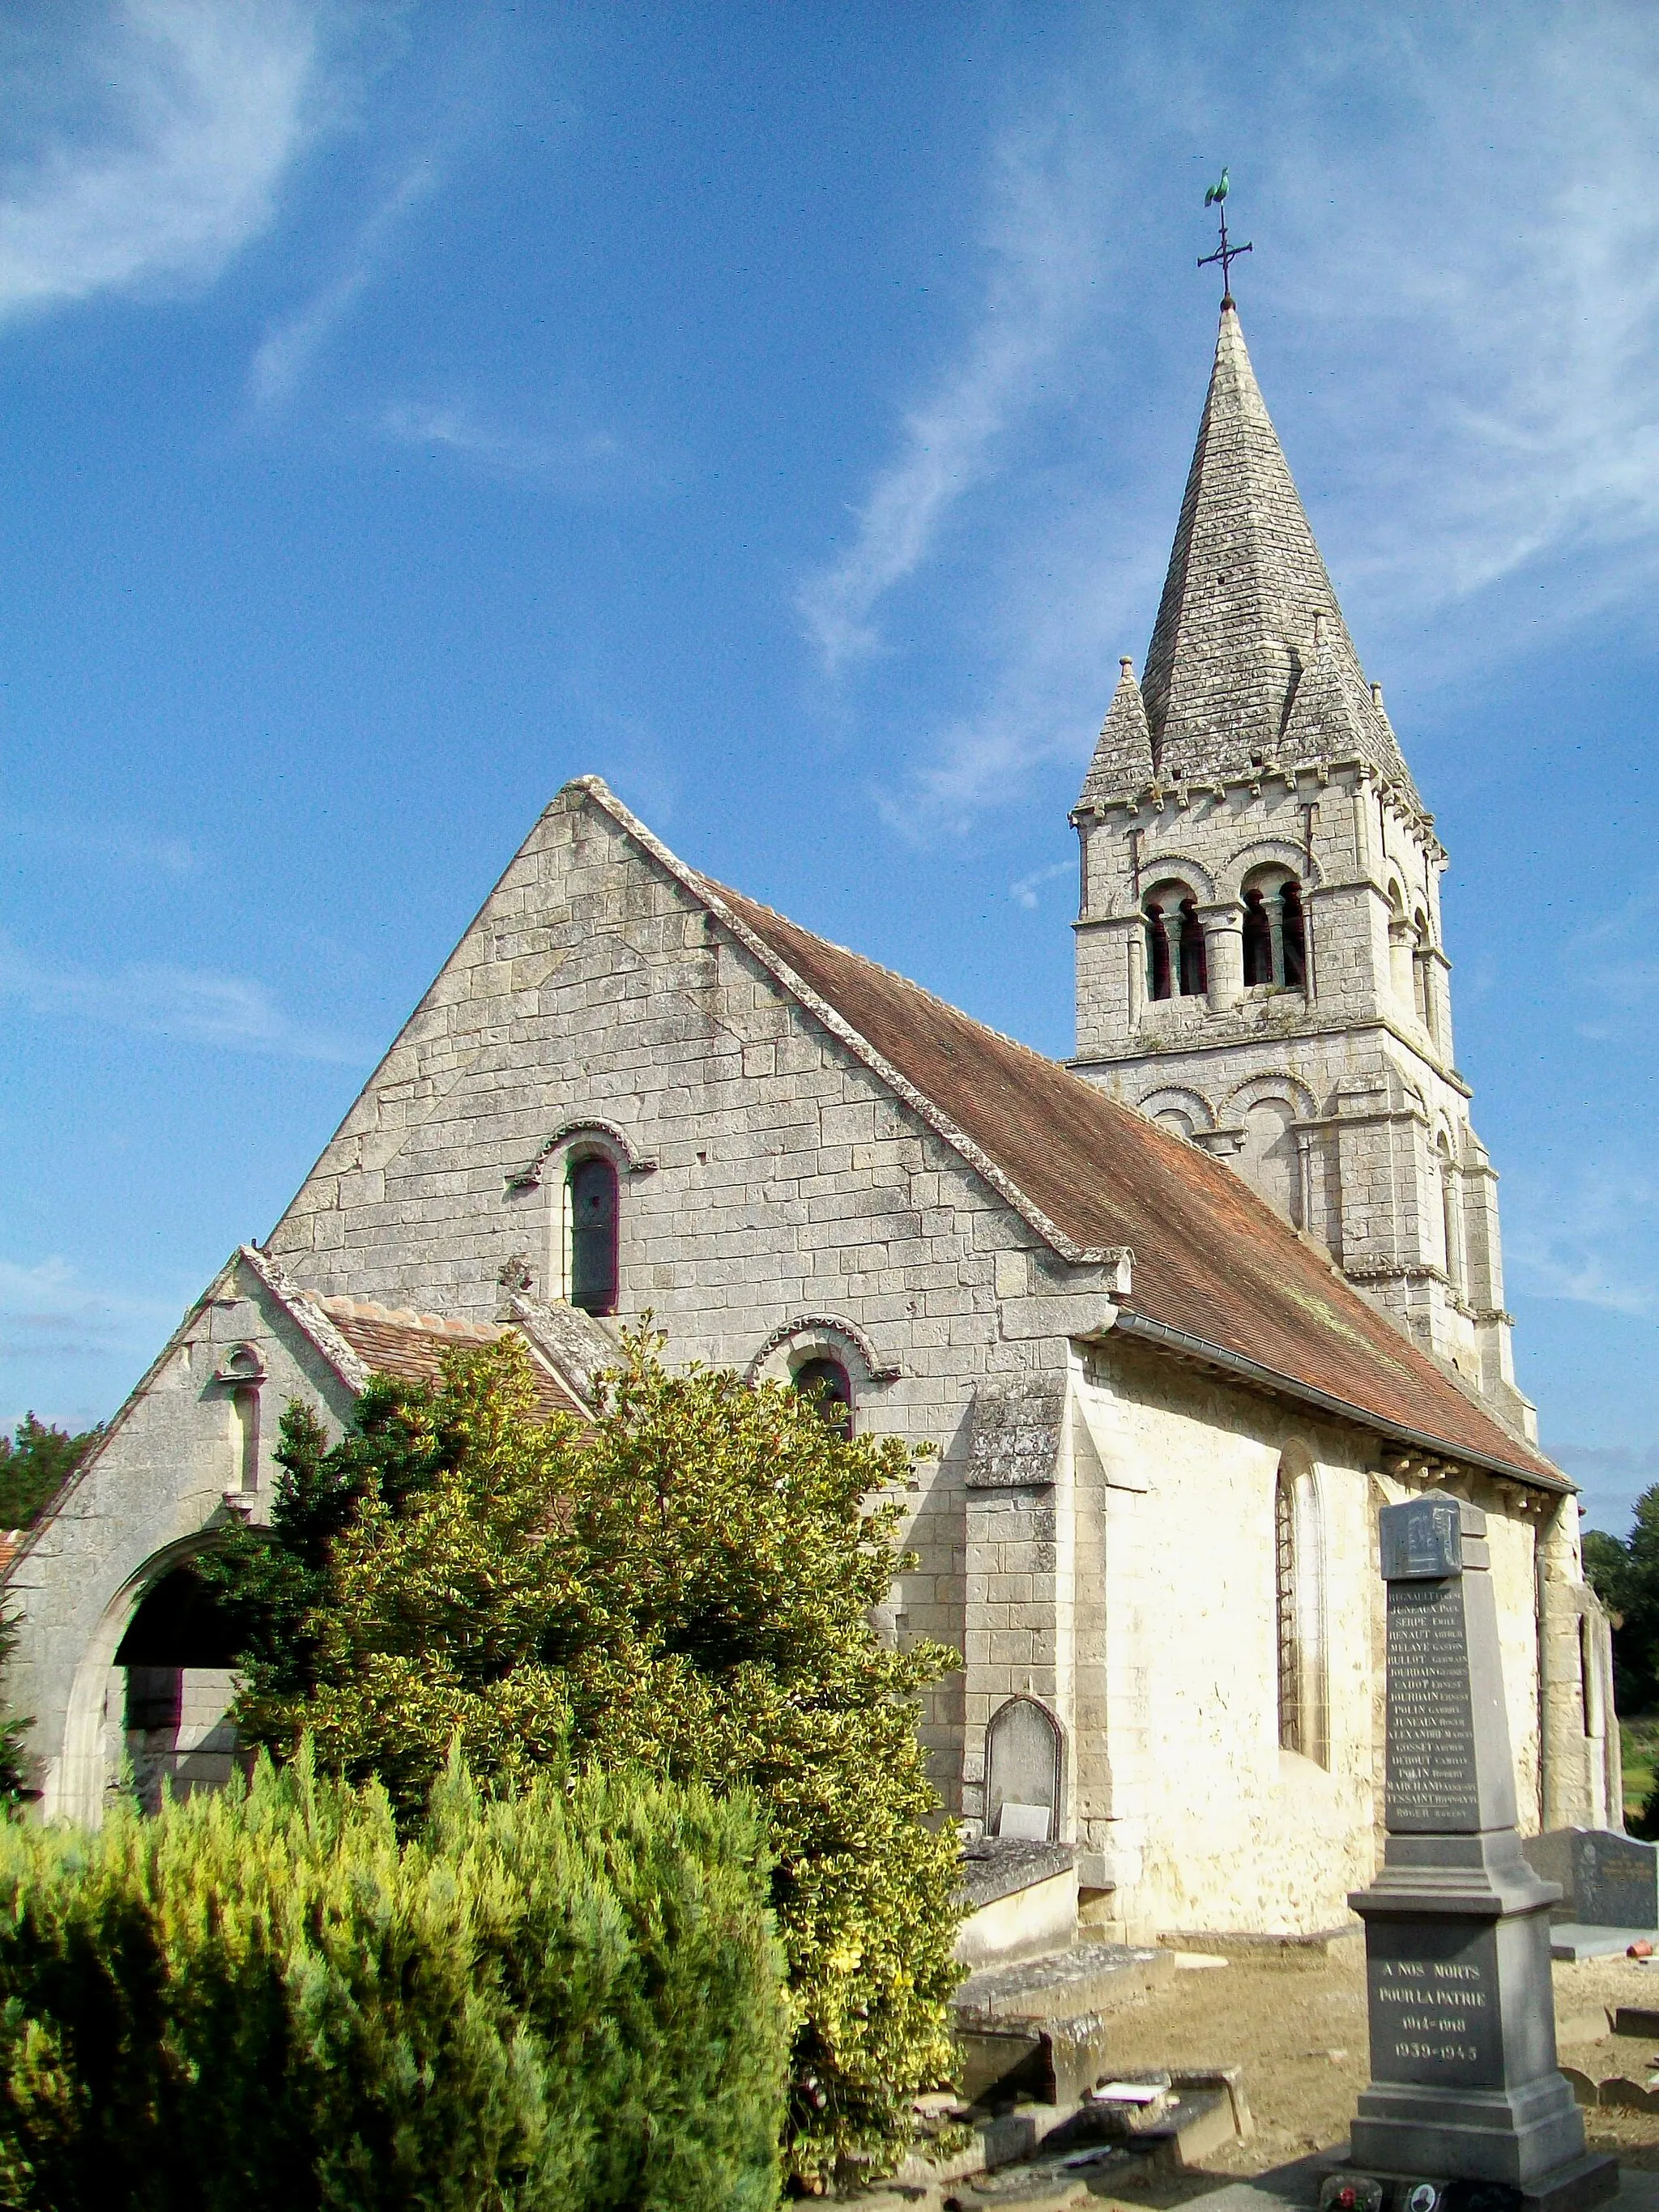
397 1341
1211 1260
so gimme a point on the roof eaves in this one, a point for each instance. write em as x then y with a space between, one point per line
1178 1340
836 1023
310 1319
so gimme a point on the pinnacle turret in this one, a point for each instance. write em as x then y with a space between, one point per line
1123 752
1248 609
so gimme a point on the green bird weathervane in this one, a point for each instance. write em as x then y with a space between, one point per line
1225 254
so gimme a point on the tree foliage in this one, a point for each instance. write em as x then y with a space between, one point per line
684 1585
1623 1572
556 2000
35 1462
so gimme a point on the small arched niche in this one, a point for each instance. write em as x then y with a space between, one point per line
1023 1772
1270 1159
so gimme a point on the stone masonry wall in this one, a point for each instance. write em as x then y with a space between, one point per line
1098 1529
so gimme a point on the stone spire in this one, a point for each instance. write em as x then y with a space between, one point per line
1248 610
1123 756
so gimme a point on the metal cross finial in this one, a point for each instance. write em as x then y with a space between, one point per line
1226 253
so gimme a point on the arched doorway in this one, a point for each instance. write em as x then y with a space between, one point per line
179 1658
196 1748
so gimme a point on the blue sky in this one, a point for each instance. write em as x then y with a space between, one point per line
781 410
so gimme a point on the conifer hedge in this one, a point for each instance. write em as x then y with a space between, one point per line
564 1996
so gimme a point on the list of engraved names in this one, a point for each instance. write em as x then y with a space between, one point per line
1432 1777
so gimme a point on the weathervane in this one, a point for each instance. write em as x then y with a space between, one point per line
1225 254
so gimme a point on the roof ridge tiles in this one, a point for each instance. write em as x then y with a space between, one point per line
336 1304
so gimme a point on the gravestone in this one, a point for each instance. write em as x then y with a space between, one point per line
1465 2089
1607 1880
1022 1771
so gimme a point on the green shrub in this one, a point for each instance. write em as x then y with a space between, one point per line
567 2000
683 1584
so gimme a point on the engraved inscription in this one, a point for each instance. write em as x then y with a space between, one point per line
1432 1781
1434 2010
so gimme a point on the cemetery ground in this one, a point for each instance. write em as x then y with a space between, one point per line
1295 2024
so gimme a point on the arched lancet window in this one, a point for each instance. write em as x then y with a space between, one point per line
1300 1612
1275 931
1451 1210
1423 973
829 1380
1160 968
1294 933
1175 962
1194 979
1258 940
594 1217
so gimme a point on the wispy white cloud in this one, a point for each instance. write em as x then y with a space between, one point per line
69 1348
1483 254
1591 1238
1610 1477
48 1306
292 343
455 427
110 843
1040 255
1024 892
189 1004
1453 305
200 108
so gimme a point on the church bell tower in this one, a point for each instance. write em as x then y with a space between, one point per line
1260 965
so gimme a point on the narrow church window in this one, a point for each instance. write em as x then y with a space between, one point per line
833 1386
1300 1613
1451 1210
1586 1703
1423 975
1290 1670
1159 966
1294 935
594 1217
1193 975
1275 932
1258 940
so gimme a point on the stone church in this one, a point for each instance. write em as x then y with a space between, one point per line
1178 1318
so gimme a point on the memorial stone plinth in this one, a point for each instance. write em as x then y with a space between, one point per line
1465 2087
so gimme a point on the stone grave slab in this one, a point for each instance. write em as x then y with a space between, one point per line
1607 1880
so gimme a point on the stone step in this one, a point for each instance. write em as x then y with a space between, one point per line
1040 2026
1087 1977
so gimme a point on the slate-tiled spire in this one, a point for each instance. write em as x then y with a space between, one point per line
1235 634
1123 756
